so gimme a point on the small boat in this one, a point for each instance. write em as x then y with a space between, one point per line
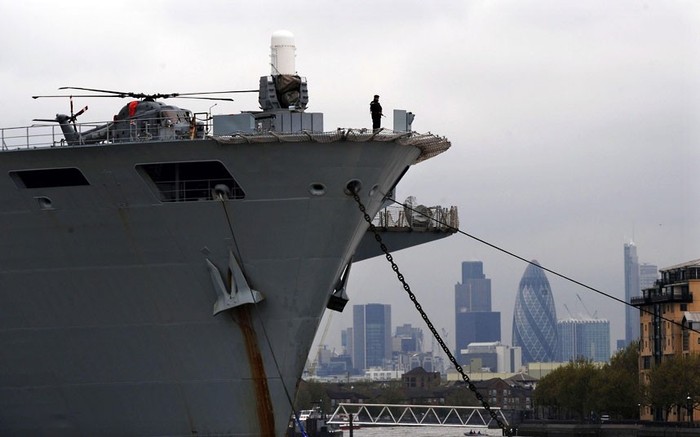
313 423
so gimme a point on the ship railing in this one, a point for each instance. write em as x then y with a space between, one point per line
29 137
417 218
47 134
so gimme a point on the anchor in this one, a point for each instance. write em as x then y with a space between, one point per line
339 298
238 293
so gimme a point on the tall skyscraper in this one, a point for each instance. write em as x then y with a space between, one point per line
632 289
588 339
371 335
474 320
535 317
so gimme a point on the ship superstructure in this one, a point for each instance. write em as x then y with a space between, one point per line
166 281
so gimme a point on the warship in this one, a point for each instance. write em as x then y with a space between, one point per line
165 273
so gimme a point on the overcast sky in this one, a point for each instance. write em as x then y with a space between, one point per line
574 125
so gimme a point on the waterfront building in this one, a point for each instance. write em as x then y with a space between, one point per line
675 297
535 317
474 320
492 357
585 338
371 336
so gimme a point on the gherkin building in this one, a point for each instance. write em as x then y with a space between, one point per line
535 318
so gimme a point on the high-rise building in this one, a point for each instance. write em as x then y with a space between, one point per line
371 335
535 317
408 339
632 289
648 275
474 320
346 341
588 339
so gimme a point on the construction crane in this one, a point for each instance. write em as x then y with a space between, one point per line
593 316
321 343
567 310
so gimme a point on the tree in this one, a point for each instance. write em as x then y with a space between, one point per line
391 392
672 381
310 392
565 391
616 386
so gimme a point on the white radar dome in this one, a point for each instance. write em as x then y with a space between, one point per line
282 52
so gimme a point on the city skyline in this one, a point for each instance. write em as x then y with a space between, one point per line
574 126
582 310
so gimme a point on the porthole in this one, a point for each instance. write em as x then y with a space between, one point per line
317 189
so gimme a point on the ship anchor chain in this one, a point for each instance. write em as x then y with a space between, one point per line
506 430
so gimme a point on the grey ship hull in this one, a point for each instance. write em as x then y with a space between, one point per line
106 324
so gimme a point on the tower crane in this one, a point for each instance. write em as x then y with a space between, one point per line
321 343
592 316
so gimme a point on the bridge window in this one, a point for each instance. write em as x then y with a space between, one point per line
191 181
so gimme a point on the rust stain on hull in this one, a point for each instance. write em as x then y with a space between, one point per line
263 403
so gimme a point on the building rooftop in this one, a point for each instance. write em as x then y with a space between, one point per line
694 263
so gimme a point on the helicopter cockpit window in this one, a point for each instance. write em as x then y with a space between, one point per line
175 116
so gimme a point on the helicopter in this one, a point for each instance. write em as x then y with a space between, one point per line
144 119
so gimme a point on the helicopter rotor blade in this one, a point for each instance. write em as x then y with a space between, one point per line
76 95
221 99
79 113
214 92
119 93
122 94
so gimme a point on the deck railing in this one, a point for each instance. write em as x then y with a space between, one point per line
47 134
417 218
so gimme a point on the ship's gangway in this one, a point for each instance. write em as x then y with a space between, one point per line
413 415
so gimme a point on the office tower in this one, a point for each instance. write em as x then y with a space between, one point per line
474 320
535 318
371 335
632 289
346 341
588 339
408 339
648 275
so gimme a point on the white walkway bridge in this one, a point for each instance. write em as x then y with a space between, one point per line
414 415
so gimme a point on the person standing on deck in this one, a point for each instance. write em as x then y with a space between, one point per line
376 109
